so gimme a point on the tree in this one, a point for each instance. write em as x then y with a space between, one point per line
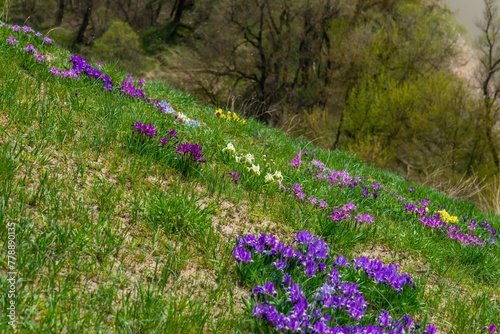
120 43
59 14
85 22
488 45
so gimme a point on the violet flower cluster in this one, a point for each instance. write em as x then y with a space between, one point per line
128 86
454 232
191 151
329 305
187 151
339 213
147 129
80 65
299 192
27 30
29 49
336 178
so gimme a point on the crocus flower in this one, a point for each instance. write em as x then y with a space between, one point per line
242 255
193 150
235 176
296 161
492 329
11 40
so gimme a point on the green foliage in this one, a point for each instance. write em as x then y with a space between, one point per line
422 124
120 43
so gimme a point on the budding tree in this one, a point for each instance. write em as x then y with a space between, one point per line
488 76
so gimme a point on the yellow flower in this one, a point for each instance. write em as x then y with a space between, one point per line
445 216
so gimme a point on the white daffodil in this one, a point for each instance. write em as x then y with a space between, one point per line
255 169
249 158
278 176
230 148
269 178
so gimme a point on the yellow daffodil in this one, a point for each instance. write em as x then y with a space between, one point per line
445 216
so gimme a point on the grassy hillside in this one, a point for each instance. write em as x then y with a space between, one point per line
128 207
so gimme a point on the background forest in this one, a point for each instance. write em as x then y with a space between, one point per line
372 77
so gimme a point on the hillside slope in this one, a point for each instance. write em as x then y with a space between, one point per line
129 207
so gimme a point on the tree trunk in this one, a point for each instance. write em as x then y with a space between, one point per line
85 22
179 7
493 149
60 13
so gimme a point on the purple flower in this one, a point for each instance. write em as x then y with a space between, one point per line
164 141
310 268
431 329
47 40
235 176
172 133
313 200
269 288
296 161
337 215
411 189
287 279
364 218
297 190
140 82
15 28
280 265
341 261
349 207
39 58
304 237
27 29
323 204
492 329
192 150
147 129
384 319
321 166
30 48
38 34
11 40
242 255
259 310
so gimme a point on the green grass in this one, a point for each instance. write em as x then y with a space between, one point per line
117 234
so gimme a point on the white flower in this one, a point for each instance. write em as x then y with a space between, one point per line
255 169
278 176
269 178
249 158
230 148
237 158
